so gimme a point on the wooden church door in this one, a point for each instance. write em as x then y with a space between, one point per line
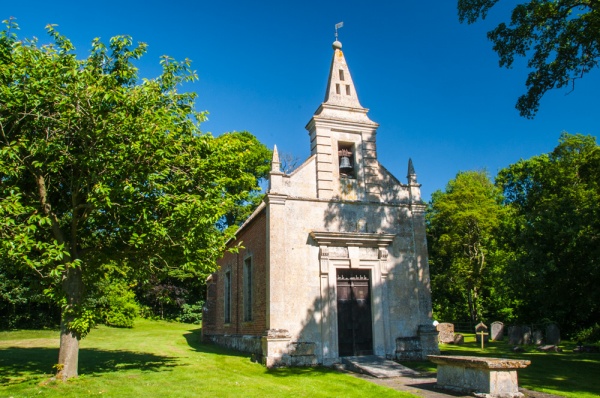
355 328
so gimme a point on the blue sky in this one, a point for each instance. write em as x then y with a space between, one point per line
432 84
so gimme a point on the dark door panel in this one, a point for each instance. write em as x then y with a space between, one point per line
355 328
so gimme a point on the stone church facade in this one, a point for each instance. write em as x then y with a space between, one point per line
334 262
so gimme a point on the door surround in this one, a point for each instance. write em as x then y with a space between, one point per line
344 250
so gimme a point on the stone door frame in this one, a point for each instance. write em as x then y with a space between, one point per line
348 250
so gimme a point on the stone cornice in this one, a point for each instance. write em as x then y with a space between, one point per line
275 199
327 238
361 122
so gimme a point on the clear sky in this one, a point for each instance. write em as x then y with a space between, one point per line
432 84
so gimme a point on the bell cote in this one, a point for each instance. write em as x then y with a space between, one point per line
343 138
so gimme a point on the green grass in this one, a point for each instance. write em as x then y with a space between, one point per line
564 373
160 359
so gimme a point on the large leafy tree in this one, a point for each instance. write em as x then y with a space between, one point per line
556 238
101 173
560 37
467 260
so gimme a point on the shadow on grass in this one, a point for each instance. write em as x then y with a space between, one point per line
20 364
309 371
194 340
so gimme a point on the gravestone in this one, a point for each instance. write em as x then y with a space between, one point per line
481 327
519 335
538 337
446 333
459 339
515 336
526 334
497 331
552 334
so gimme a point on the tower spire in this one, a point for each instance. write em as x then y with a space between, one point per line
275 163
411 175
340 87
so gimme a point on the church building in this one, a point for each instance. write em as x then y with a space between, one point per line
333 263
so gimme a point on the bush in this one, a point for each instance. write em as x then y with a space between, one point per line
23 304
192 313
117 304
589 335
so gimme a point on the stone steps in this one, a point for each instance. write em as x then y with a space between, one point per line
377 366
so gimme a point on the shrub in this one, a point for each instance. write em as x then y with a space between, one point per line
117 304
589 335
192 313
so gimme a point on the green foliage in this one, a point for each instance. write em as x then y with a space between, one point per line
116 304
192 313
98 168
560 37
588 335
466 259
22 300
556 233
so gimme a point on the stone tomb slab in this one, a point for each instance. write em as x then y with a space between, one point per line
482 376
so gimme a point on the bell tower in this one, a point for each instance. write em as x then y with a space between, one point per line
343 139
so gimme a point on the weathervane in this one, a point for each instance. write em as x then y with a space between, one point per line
337 26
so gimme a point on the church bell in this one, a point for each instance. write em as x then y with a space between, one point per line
345 163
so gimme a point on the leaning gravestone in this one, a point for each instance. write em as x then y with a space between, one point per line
497 331
526 334
515 336
459 339
552 334
538 337
481 327
519 335
446 333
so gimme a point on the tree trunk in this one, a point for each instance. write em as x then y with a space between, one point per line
471 305
68 355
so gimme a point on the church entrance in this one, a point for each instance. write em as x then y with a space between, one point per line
355 328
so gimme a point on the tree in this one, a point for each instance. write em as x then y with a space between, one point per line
102 175
562 38
556 238
466 258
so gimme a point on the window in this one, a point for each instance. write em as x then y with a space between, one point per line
248 289
337 89
227 298
341 75
347 89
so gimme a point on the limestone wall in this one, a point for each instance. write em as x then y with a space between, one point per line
400 285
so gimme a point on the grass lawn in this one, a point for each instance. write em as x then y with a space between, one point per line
160 359
564 373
